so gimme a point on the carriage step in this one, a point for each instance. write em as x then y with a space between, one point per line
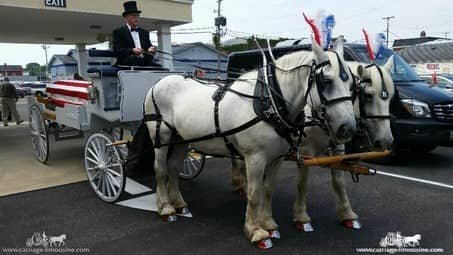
66 135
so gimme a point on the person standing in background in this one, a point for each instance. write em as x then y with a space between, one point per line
8 99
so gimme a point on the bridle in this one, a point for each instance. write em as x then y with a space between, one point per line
322 83
359 92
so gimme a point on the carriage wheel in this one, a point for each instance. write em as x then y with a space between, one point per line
39 135
104 167
193 165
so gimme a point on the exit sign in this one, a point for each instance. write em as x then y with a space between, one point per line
55 3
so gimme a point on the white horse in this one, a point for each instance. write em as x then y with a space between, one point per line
185 106
371 107
57 240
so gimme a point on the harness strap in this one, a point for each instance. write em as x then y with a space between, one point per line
158 119
213 135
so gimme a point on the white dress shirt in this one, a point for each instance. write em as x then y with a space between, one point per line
135 37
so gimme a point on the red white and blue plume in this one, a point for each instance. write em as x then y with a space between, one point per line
375 44
322 28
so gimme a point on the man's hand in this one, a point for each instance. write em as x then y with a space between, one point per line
152 50
137 51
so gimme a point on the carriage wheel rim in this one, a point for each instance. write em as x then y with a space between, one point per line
38 132
104 167
193 164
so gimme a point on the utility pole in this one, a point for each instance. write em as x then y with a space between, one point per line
446 33
45 47
388 23
220 22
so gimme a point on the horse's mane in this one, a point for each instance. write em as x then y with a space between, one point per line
295 59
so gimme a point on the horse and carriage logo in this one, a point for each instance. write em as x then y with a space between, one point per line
395 239
41 239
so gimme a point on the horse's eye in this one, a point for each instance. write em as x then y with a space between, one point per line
327 81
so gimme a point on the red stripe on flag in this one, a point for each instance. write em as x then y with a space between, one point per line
368 45
80 84
61 103
68 93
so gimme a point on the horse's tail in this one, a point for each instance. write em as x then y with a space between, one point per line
140 157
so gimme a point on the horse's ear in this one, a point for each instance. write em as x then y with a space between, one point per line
363 72
389 64
338 46
320 55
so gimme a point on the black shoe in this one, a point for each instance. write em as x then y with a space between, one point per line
5 125
20 121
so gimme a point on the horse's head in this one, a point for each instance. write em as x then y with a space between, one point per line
376 89
330 95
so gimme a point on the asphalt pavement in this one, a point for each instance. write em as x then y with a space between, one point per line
384 204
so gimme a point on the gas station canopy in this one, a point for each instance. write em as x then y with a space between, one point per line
82 21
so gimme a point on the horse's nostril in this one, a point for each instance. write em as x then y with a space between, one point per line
346 131
377 144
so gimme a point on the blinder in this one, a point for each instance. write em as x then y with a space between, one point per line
384 94
322 83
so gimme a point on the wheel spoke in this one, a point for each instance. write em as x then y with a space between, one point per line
94 146
99 184
112 178
111 171
93 161
95 175
103 184
93 154
112 183
107 185
194 165
114 165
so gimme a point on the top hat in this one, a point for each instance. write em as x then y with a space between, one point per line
130 7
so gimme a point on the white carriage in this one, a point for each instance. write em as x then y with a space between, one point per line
107 108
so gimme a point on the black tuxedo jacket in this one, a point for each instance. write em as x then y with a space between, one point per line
123 45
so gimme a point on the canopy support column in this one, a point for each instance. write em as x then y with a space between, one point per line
164 40
83 60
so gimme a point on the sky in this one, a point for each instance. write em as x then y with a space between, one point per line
283 18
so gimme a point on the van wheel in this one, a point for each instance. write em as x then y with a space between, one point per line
423 149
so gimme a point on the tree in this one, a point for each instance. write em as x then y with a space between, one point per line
33 69
251 44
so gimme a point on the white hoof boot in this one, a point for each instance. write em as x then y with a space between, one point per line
274 234
183 211
352 224
306 227
264 244
169 218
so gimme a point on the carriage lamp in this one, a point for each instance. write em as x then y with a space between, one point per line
416 108
92 94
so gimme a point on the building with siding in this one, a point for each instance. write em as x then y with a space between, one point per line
64 66
11 70
432 57
186 57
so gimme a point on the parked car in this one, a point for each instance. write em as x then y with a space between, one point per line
422 116
35 88
444 81
20 90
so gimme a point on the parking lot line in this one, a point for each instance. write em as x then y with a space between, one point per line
416 179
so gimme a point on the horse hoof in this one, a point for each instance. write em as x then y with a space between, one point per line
274 234
306 227
352 224
264 244
169 218
183 211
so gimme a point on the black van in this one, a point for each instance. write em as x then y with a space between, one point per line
422 117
